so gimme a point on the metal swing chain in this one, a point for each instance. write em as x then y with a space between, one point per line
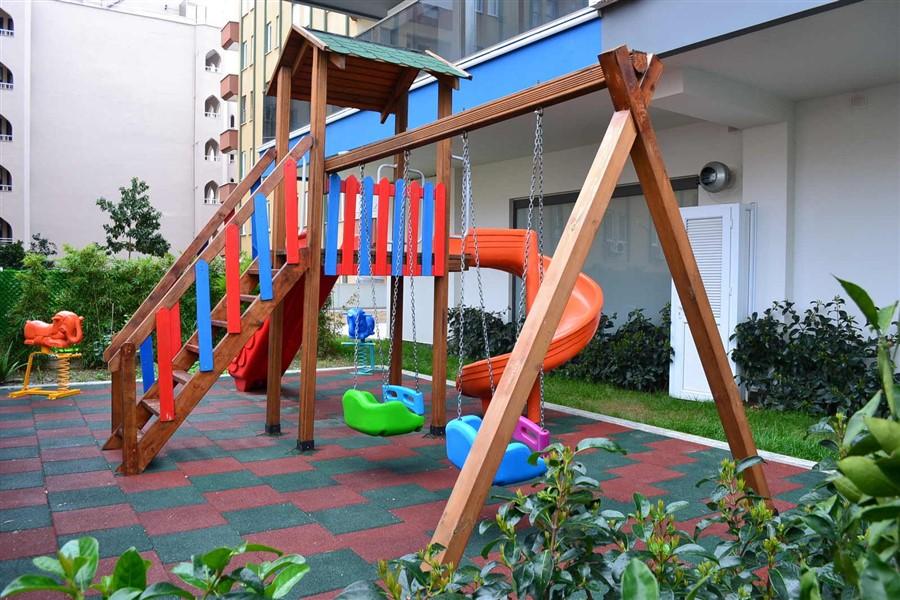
410 261
362 170
461 305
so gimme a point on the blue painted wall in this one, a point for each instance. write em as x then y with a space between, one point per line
545 59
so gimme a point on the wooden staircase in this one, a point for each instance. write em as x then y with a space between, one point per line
136 428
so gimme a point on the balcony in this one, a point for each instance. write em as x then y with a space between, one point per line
228 140
231 34
229 87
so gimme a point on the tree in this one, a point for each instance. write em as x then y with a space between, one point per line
41 245
134 223
12 255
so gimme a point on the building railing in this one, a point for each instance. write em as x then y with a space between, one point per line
6 240
6 32
211 115
5 85
212 68
5 137
5 187
211 157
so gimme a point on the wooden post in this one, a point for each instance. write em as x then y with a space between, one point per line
127 383
276 319
443 172
310 339
395 375
627 94
116 407
474 481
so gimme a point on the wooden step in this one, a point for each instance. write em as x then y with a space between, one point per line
151 404
248 298
219 323
194 348
181 376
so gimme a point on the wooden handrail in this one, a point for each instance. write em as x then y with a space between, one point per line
177 280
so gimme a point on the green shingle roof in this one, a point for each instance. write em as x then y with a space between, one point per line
340 44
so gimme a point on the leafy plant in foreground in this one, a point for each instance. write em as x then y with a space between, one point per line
72 573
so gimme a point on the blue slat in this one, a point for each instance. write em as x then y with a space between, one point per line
427 228
331 224
204 324
253 250
147 374
365 227
399 242
264 258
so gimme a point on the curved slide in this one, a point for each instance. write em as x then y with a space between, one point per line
504 249
249 368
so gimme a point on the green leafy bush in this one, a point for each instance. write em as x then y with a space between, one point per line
841 541
635 356
819 361
9 363
501 335
73 573
12 255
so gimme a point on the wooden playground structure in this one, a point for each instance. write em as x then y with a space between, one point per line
288 265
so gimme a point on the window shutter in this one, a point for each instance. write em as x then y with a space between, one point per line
705 235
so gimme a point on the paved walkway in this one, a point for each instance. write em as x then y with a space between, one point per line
356 500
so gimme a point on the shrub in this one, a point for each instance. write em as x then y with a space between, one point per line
9 363
72 573
635 356
12 255
818 361
500 334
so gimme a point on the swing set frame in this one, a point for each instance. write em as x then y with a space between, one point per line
630 78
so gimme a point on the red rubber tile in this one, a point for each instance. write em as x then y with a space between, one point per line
156 573
16 423
304 539
180 518
78 481
51 454
645 473
21 498
278 466
90 519
26 543
211 466
333 496
249 497
260 441
45 434
17 442
391 541
20 465
152 481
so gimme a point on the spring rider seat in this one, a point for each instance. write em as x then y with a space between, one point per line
54 338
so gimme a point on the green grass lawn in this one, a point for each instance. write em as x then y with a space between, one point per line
782 432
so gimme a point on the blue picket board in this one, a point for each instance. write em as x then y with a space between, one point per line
204 324
147 374
365 227
264 258
427 228
399 242
331 224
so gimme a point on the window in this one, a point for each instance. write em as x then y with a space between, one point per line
6 78
5 180
625 258
211 107
5 130
211 193
211 151
6 23
267 39
243 109
231 157
245 58
6 233
231 121
213 61
243 165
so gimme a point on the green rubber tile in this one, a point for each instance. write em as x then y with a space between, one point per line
201 453
225 481
186 431
165 498
85 498
67 442
174 547
56 408
158 464
400 495
115 541
19 452
264 518
358 442
332 570
231 434
16 432
294 482
208 417
18 481
59 424
348 464
244 410
354 517
98 425
410 465
10 569
78 465
263 453
29 517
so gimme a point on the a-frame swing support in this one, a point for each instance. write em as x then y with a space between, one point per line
630 132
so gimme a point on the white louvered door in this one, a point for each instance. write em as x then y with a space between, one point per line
714 239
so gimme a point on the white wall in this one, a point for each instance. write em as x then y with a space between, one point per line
14 106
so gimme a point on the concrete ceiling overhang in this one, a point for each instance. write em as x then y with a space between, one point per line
370 9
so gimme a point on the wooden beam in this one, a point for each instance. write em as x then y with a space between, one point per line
310 339
395 369
338 60
627 94
127 382
474 481
443 174
276 319
573 85
401 91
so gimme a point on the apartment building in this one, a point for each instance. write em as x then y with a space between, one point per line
80 115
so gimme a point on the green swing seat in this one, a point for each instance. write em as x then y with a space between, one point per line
364 413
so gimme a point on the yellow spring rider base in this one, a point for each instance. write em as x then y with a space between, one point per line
64 331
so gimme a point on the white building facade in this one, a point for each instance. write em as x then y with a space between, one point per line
104 93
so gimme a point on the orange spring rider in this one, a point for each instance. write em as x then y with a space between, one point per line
64 331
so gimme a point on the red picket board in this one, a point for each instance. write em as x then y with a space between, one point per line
412 250
351 189
164 354
383 188
440 226
292 240
233 277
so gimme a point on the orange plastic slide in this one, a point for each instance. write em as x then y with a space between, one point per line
504 249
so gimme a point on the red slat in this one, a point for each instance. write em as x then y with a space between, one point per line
292 241
412 266
233 277
351 189
165 354
440 225
383 189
